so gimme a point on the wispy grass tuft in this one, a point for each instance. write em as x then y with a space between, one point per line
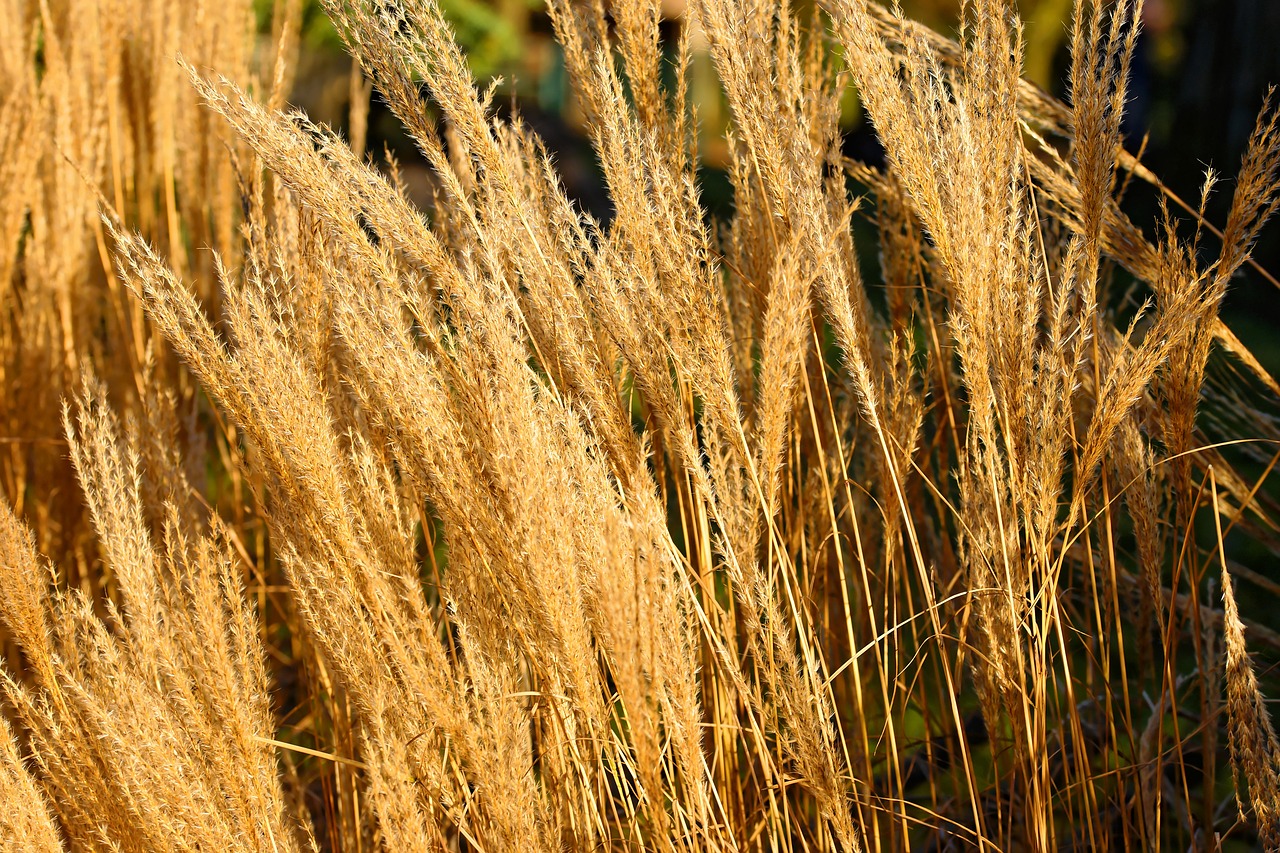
492 527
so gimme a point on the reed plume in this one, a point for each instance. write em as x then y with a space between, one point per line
496 526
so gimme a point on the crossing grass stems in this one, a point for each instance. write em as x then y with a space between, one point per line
335 522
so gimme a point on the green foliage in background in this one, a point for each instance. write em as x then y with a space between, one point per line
491 34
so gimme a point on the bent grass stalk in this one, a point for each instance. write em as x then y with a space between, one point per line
495 527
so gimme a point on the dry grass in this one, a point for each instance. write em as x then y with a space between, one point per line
494 527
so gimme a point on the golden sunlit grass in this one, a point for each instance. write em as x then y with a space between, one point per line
336 523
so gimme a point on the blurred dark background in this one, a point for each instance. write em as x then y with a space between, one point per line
1202 71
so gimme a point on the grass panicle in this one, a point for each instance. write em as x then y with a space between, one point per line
870 516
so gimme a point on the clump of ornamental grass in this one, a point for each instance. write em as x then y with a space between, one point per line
93 107
659 533
168 693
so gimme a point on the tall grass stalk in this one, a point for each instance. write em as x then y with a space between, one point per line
336 523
